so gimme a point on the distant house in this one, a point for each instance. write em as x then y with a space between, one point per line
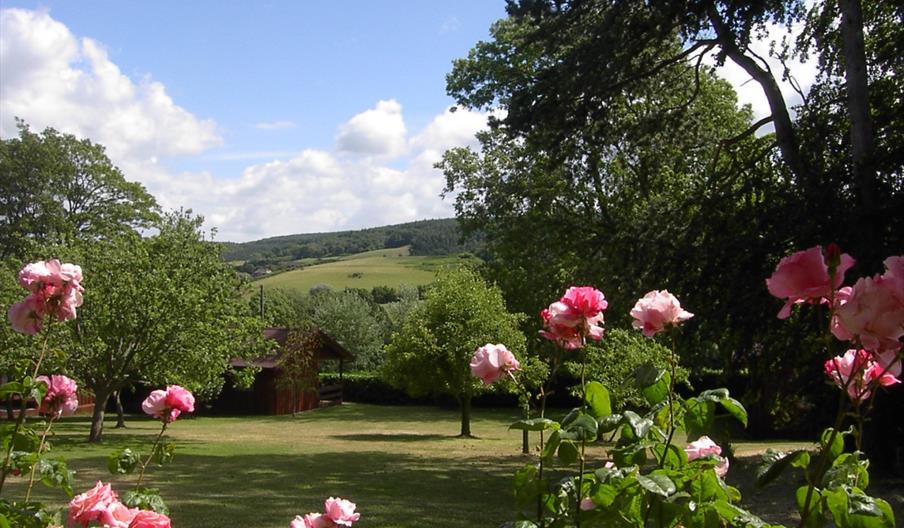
268 395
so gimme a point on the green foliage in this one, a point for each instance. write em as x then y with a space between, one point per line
431 353
358 325
55 188
614 361
162 309
620 159
673 491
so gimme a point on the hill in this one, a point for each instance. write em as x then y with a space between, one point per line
440 237
383 267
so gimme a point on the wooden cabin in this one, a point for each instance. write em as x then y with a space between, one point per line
271 392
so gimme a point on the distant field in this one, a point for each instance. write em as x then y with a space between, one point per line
384 267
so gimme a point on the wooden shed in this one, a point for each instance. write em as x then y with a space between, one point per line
272 393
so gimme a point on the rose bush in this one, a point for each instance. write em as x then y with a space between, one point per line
652 482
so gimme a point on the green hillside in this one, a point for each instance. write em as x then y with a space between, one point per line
383 267
424 238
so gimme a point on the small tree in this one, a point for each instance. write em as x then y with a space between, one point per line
432 351
163 309
298 362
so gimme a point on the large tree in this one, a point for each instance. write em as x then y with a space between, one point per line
621 161
56 188
432 352
160 309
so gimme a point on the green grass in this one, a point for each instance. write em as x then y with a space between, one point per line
403 466
384 267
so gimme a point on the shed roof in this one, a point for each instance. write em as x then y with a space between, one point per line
330 349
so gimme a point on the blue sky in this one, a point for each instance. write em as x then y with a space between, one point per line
249 83
268 118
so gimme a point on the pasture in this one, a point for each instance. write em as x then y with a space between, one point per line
383 267
403 466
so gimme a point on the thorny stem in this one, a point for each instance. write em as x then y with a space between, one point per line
31 478
839 418
672 365
580 490
20 420
153 450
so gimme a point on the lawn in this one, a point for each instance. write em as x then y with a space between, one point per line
403 466
385 267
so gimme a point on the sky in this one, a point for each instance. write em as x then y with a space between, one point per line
269 117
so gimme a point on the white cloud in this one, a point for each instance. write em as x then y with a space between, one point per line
275 125
375 175
51 78
379 131
750 92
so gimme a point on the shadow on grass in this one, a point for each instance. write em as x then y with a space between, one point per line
391 490
393 437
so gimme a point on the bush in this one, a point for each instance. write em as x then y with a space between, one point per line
613 360
367 387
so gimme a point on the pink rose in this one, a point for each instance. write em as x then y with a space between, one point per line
586 301
340 511
804 276
312 520
61 398
117 515
874 312
587 504
169 404
55 290
850 372
27 315
33 275
150 519
703 447
561 326
577 315
491 362
91 505
656 311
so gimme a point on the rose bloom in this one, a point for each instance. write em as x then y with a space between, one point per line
117 515
169 404
704 446
340 511
874 312
150 519
804 276
656 311
578 314
851 370
492 362
61 398
312 520
27 315
561 326
91 505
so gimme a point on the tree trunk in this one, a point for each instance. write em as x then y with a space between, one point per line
781 118
120 413
862 135
97 417
466 416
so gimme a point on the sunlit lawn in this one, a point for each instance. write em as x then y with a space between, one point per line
403 466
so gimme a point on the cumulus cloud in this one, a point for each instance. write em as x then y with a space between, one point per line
375 174
52 78
378 132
